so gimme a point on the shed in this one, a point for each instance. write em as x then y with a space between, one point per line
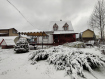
88 35
6 37
7 43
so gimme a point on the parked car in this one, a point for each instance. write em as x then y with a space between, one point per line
22 45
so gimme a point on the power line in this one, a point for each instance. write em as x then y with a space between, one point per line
20 13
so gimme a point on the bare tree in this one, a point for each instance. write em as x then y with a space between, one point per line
97 19
92 23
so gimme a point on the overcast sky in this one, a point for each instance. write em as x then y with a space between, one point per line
40 12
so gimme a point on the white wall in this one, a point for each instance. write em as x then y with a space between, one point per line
46 41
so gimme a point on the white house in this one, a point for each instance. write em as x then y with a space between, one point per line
60 32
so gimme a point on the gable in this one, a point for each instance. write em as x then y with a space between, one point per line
87 33
66 25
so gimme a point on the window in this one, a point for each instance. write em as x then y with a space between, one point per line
55 27
14 31
45 37
65 26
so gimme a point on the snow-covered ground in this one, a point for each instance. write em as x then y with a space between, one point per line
17 66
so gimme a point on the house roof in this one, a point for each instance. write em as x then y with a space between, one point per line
60 25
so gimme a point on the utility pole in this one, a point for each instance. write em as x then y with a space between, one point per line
42 40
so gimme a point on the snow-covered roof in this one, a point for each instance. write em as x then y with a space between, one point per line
64 32
8 42
32 31
60 25
25 36
9 39
6 28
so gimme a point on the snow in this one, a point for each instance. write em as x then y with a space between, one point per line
90 42
64 32
75 44
25 36
17 66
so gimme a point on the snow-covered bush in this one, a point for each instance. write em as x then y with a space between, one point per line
64 58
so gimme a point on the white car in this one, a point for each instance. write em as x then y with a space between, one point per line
102 48
22 45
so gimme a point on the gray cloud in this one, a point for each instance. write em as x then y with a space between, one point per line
41 12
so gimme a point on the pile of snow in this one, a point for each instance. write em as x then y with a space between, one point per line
90 42
77 44
73 61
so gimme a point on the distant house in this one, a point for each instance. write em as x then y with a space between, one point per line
8 32
88 35
59 32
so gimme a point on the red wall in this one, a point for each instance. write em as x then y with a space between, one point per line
63 38
7 47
